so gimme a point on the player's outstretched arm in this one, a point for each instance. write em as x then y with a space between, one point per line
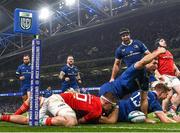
111 119
115 69
148 58
163 118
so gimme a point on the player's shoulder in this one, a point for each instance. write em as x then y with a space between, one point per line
120 48
64 67
75 67
152 95
98 106
22 65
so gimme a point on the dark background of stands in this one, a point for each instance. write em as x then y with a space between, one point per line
94 48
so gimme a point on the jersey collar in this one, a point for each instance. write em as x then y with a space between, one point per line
131 41
155 94
27 64
70 66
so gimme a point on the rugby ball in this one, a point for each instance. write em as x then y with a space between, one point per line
136 116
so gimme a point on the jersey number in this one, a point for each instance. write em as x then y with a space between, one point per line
81 97
136 100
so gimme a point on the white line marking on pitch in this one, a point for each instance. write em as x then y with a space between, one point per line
116 127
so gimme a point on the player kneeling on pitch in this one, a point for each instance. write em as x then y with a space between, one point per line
125 107
62 114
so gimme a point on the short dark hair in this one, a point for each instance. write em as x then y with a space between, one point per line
111 97
162 87
26 55
123 31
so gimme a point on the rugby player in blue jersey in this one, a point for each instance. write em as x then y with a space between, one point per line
120 113
48 92
134 78
130 51
70 75
23 73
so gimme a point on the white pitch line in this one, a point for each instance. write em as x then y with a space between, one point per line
140 128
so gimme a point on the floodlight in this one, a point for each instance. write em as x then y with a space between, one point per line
70 2
44 13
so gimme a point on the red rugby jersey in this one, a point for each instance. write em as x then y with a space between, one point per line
166 64
87 104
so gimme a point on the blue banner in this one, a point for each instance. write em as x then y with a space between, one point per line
26 21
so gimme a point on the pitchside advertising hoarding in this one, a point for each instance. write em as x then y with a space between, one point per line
26 22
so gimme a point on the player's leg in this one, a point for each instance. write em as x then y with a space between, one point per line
24 93
63 114
64 87
176 101
43 107
165 102
75 87
58 121
19 119
24 107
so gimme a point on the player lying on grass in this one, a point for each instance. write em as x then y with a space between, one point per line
133 103
134 78
88 109
61 113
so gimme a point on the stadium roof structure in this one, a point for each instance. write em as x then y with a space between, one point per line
63 18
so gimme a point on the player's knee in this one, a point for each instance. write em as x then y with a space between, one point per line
71 122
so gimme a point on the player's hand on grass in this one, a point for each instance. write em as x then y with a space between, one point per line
176 118
148 120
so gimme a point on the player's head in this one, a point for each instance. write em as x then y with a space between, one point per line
152 66
108 101
161 42
26 59
161 89
125 35
70 60
49 88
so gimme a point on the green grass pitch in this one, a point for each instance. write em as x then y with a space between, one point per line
119 127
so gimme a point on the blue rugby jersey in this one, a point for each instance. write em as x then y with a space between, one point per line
72 73
131 53
133 103
130 80
24 70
